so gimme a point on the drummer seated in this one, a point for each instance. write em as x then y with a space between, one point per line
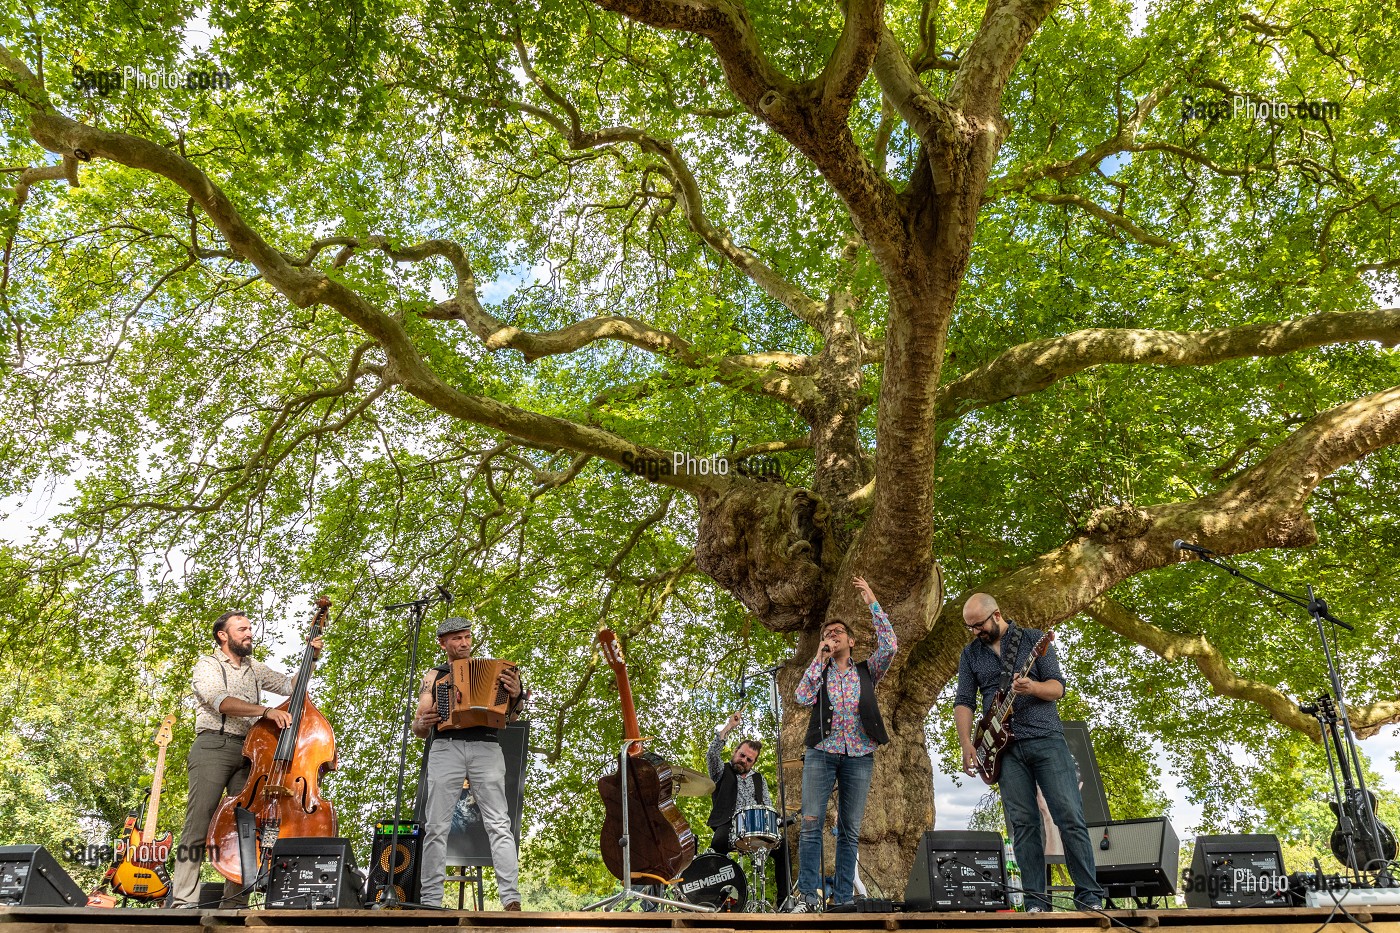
738 789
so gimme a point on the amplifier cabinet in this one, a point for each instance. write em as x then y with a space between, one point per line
1135 858
313 873
957 870
1240 870
30 877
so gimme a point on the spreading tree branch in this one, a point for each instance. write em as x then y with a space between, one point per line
1039 364
1262 507
306 287
1172 646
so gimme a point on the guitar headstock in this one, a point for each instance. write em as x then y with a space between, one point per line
1043 645
611 648
166 730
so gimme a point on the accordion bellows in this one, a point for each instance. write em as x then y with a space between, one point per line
472 696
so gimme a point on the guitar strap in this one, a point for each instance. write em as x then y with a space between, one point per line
1008 656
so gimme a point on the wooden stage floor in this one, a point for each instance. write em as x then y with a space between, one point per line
1276 920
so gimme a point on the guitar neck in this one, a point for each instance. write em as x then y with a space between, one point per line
612 651
153 808
1025 670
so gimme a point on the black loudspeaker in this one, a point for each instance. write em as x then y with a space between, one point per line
30 877
1135 858
313 873
403 873
957 870
1236 871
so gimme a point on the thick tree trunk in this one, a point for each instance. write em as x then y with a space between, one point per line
769 544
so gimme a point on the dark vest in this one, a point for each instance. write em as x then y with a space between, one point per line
819 726
727 795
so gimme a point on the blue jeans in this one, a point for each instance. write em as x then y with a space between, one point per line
1047 762
851 777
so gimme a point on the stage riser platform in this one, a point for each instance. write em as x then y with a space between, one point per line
1282 920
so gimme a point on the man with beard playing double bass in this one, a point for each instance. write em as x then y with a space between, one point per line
228 687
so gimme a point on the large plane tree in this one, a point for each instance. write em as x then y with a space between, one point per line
391 293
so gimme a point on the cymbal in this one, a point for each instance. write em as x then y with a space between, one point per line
691 783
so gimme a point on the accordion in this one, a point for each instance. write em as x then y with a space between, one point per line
471 694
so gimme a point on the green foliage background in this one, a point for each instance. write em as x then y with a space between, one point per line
137 375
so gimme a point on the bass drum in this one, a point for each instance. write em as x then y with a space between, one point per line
713 880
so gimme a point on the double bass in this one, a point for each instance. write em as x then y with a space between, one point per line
283 788
662 843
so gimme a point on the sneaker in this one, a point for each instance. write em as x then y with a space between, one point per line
802 906
513 905
1035 909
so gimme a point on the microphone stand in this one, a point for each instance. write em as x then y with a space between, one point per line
417 609
776 699
1317 608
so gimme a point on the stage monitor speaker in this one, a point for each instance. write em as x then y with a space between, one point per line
312 874
1135 858
403 874
1237 871
957 870
30 877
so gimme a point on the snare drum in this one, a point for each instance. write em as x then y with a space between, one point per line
755 829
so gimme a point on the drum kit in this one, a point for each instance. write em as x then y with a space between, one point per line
716 880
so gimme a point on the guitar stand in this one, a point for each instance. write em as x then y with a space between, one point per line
629 891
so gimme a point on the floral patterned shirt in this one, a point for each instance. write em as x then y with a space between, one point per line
843 689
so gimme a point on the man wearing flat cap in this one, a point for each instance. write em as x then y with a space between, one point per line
472 753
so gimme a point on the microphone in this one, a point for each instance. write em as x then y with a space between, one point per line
444 595
1181 545
1104 843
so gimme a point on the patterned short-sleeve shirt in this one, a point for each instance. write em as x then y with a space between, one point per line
216 678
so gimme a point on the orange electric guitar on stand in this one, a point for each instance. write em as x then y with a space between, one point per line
139 870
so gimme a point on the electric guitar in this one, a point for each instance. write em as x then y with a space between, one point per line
991 735
139 870
1363 854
